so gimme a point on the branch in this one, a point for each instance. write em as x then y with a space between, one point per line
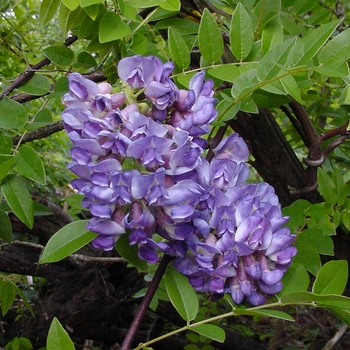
336 338
40 133
30 71
133 329
313 140
341 130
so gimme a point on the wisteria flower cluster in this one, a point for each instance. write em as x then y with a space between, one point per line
138 157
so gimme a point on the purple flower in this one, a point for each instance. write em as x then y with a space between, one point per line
194 110
139 71
247 248
139 163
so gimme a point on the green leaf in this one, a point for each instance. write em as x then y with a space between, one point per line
298 298
226 72
183 26
5 227
42 118
345 217
75 201
130 252
143 3
181 294
210 331
66 241
85 61
227 110
87 28
302 6
126 10
59 54
332 278
48 10
71 4
170 5
25 301
241 33
248 105
61 88
266 10
40 209
344 98
210 40
6 144
29 164
93 11
12 114
18 198
112 28
71 19
6 164
271 313
272 35
296 279
58 338
340 186
324 300
333 70
312 43
310 244
335 51
291 87
272 62
37 85
178 49
139 44
245 84
343 315
85 3
264 99
326 186
7 296
322 222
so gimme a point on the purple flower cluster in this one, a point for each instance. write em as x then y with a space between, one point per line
140 167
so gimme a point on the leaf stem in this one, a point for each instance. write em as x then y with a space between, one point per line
141 24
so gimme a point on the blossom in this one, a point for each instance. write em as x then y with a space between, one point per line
248 250
140 166
139 71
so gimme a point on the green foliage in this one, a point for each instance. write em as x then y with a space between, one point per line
58 338
210 331
66 241
181 294
332 278
7 295
267 53
210 41
13 114
130 252
19 343
241 33
18 198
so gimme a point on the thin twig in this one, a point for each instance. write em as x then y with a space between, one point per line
31 71
145 303
73 257
336 337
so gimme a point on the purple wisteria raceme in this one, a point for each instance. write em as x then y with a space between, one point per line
140 166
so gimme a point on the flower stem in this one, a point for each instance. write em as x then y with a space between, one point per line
145 303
